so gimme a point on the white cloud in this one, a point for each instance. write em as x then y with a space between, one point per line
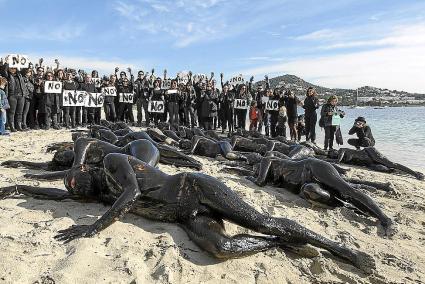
320 34
409 35
190 22
86 63
397 62
398 68
62 33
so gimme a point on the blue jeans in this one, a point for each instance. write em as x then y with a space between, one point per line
2 122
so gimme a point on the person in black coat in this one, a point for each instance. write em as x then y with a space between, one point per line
363 132
327 112
29 93
15 92
311 104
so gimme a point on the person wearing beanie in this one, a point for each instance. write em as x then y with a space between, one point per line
363 132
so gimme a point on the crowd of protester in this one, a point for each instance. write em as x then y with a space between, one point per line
190 101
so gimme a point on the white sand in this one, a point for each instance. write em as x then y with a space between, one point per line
136 250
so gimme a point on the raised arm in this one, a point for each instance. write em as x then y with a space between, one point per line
119 169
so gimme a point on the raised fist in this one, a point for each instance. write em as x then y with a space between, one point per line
251 79
117 69
221 75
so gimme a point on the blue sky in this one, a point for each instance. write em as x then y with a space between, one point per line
340 43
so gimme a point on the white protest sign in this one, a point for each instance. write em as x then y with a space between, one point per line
73 98
240 104
199 77
172 92
109 91
272 105
156 106
94 100
96 82
126 98
52 87
264 99
237 80
183 78
166 84
17 61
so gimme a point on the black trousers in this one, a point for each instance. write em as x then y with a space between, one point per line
241 117
310 126
25 112
110 113
227 118
173 110
69 116
273 123
329 136
14 114
365 142
142 104
34 117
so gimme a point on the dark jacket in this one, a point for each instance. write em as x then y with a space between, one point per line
362 132
15 83
291 106
311 103
327 119
207 104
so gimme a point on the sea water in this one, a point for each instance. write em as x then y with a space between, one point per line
399 132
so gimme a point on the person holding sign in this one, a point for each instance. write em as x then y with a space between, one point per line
69 111
28 94
172 96
226 100
47 108
97 84
109 105
15 93
156 94
330 115
241 111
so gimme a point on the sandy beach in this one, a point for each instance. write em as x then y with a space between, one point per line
137 250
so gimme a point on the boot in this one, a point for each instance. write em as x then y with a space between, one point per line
55 124
19 126
12 125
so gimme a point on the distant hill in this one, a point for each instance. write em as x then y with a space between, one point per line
347 96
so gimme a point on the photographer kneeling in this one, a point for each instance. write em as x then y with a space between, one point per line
364 134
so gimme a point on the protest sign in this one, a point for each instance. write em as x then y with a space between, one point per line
73 98
237 80
126 98
272 105
17 61
94 100
156 106
52 87
240 104
109 91
96 81
166 84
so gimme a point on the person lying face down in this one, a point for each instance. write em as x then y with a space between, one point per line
372 159
319 176
199 203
